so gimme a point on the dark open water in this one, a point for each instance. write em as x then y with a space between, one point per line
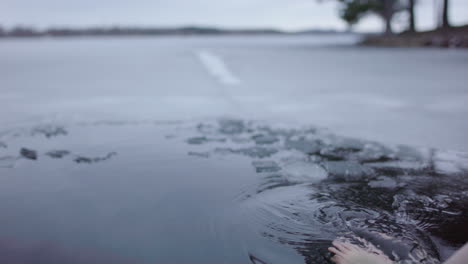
220 191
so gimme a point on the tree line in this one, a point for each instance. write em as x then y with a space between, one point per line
351 11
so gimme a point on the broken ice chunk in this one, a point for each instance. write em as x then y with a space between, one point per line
374 152
82 159
383 182
49 131
304 171
264 139
57 154
266 166
202 140
28 153
347 170
253 152
450 162
231 126
304 145
199 154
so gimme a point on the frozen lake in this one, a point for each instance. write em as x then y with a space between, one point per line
229 150
411 96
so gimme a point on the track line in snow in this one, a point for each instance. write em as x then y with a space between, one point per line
217 68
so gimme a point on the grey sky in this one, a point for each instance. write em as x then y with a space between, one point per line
284 14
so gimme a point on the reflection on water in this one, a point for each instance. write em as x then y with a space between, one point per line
253 187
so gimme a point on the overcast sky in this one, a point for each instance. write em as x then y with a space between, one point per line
283 14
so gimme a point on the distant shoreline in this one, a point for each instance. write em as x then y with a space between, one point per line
24 32
455 37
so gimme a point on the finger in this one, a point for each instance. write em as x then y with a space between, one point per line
335 251
338 260
352 247
339 246
347 246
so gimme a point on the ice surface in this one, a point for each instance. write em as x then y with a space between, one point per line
8 161
287 78
216 66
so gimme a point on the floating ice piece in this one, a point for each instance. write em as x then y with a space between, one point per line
303 171
231 126
206 128
265 139
241 139
28 153
49 131
82 159
304 145
336 153
199 154
266 166
57 154
202 140
347 170
348 143
416 154
450 162
400 167
253 152
383 182
374 152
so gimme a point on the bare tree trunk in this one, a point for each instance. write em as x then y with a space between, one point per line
388 15
388 26
412 18
445 19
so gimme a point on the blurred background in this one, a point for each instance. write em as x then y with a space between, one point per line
313 62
